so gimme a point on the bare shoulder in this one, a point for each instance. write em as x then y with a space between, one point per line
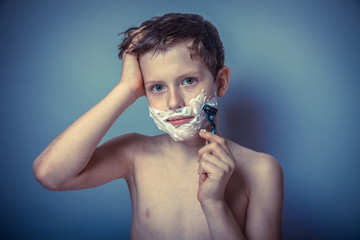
134 146
118 148
260 169
136 143
127 143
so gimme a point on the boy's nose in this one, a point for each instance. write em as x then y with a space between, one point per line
175 100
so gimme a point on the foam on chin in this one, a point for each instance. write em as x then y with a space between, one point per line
188 130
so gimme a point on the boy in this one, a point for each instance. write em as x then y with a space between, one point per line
189 183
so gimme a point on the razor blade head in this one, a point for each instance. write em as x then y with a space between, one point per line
209 110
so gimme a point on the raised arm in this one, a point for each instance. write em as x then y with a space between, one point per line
73 159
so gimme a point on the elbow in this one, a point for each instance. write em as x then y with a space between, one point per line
44 176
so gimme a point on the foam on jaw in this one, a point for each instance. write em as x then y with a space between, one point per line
188 130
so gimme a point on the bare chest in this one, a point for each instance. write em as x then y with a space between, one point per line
165 204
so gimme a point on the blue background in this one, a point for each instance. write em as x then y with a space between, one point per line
294 94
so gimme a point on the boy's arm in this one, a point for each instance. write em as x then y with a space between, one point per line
264 213
263 220
73 160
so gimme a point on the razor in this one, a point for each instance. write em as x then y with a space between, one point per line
210 116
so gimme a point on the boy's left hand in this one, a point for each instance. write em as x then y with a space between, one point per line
216 165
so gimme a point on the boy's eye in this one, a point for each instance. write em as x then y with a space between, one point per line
157 88
189 81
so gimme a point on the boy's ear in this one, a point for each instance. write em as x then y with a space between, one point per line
222 81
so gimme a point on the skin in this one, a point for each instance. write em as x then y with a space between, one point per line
179 190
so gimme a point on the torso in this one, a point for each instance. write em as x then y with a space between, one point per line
164 194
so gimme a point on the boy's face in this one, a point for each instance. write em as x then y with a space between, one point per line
172 78
175 83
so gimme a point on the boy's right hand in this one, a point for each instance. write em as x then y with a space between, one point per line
131 75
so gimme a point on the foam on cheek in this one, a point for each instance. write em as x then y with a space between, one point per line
185 131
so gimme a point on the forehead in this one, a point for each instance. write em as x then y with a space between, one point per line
167 64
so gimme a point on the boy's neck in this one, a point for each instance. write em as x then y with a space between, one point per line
190 147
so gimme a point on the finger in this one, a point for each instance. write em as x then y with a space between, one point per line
135 36
213 171
202 174
214 149
220 151
217 153
209 136
214 168
206 169
219 163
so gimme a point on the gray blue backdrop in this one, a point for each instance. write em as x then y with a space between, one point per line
294 94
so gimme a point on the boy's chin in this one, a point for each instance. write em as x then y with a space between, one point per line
187 134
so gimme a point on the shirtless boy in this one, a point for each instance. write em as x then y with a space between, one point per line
188 183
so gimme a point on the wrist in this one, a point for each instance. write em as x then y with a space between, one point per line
126 91
213 205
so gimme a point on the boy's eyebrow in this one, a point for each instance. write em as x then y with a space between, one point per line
189 74
147 82
182 76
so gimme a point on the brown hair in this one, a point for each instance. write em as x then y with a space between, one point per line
162 32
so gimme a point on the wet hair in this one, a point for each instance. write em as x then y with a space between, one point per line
162 32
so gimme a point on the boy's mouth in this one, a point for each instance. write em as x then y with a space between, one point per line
179 120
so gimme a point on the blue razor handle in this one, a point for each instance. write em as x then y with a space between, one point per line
210 116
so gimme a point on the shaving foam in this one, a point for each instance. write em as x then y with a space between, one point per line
194 109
